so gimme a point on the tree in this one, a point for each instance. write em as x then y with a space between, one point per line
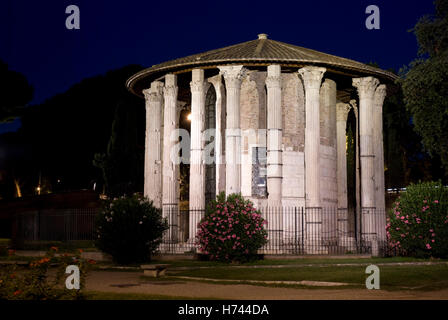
425 85
122 164
406 160
16 93
66 131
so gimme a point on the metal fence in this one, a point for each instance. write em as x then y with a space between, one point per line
291 230
56 225
294 230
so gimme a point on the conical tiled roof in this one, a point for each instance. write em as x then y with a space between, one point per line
261 51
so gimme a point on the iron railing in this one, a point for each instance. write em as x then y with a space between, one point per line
293 230
56 225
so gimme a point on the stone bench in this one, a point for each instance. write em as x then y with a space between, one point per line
154 270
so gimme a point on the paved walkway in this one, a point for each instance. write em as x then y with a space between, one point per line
130 282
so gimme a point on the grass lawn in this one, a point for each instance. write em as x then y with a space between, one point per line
299 261
421 277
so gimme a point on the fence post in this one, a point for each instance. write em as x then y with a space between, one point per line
295 230
303 230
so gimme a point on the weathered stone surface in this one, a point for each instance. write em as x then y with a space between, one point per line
233 76
153 143
293 107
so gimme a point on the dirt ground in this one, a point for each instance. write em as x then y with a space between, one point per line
130 282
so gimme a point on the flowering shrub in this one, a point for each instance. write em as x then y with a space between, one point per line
418 223
231 230
44 279
130 229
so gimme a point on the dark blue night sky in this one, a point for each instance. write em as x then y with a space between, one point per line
35 42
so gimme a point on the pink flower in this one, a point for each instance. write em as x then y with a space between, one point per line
436 201
428 246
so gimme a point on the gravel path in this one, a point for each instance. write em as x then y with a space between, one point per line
130 282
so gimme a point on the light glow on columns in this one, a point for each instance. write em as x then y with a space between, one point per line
189 117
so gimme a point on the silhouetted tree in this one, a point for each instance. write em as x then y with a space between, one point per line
122 164
425 85
61 136
16 93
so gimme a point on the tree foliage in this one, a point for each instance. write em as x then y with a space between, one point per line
16 93
122 164
130 229
425 86
59 137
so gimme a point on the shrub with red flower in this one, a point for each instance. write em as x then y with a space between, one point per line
44 278
231 230
418 223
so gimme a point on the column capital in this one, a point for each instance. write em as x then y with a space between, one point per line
380 94
312 76
216 81
342 110
354 105
170 89
233 75
366 86
154 93
197 83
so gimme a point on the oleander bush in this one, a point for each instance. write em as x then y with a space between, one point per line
418 223
44 278
130 229
232 230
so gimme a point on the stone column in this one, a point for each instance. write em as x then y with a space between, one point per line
170 186
153 140
274 153
357 170
366 90
197 168
342 110
312 78
220 110
380 200
274 143
232 76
